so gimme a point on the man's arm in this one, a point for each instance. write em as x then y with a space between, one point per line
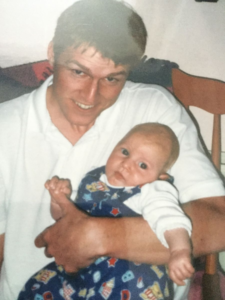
2 238
77 239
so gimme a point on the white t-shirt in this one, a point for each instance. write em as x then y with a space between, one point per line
32 150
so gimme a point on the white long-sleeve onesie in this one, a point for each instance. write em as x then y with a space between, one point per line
158 204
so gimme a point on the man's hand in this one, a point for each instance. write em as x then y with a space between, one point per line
70 240
77 239
180 267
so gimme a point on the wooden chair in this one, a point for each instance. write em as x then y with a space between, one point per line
209 95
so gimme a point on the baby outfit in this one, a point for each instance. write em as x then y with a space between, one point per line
108 277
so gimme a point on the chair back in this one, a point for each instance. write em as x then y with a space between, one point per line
209 95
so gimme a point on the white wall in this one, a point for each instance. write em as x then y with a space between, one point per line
184 31
191 34
26 28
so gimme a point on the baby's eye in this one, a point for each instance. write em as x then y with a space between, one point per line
142 165
125 152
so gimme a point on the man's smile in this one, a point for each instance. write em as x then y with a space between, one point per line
83 106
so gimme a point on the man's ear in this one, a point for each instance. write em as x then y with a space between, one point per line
51 57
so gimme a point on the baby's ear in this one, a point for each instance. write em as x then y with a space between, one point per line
166 177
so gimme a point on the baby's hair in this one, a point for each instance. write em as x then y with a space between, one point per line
162 134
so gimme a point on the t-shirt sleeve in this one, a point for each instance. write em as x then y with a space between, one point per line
159 206
194 174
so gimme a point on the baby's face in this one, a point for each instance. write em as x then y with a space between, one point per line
135 161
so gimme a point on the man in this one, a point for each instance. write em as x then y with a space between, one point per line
70 125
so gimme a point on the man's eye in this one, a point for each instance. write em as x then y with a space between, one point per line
111 79
78 72
125 152
142 165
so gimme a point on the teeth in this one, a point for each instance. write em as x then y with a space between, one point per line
84 106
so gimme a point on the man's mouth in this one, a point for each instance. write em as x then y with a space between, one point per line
83 106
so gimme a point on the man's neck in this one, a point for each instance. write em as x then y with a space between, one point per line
70 132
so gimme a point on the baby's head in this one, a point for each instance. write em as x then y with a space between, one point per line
143 155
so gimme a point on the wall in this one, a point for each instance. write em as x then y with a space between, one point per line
26 28
187 32
191 34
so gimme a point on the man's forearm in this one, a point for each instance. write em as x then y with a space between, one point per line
77 239
208 221
132 239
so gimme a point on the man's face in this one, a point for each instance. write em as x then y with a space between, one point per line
85 84
135 161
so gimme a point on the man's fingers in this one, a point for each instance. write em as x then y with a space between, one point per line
74 225
40 240
67 206
47 254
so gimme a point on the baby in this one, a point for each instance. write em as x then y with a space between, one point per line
131 184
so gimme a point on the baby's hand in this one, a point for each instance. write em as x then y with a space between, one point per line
180 267
58 188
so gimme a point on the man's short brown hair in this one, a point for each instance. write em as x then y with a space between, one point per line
112 27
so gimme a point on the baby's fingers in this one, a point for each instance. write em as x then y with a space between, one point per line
177 277
65 187
52 183
188 270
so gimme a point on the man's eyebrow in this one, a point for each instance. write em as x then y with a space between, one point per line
122 72
78 64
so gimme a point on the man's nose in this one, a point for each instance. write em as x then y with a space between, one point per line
91 91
